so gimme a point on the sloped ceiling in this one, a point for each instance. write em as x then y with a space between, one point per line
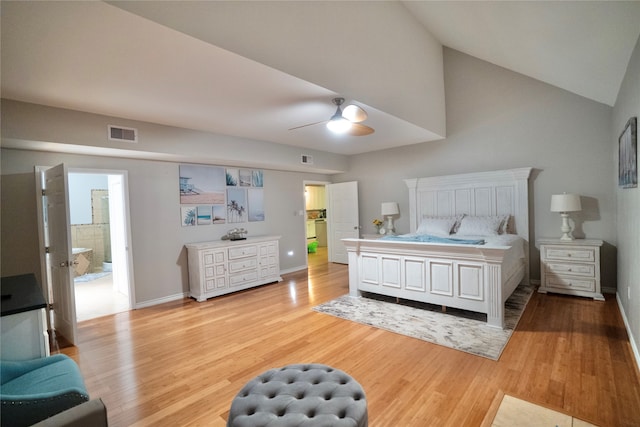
256 69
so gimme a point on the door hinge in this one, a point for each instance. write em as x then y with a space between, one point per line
50 306
44 192
47 250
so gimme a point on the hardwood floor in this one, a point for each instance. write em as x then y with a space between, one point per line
181 363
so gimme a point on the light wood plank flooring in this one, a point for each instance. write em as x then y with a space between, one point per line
181 363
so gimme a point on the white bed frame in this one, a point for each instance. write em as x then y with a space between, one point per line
471 277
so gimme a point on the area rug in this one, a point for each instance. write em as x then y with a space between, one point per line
89 277
458 329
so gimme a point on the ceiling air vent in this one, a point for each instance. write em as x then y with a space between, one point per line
307 160
119 133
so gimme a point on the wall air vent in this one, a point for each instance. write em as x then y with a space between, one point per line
307 160
119 133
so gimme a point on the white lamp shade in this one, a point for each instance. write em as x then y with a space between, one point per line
565 203
390 208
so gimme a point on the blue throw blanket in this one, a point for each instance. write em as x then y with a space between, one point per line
426 238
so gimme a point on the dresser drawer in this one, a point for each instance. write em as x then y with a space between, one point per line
243 264
242 252
567 283
587 270
241 279
569 254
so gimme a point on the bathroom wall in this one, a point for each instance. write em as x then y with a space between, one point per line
89 214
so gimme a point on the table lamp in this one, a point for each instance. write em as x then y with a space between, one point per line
565 203
389 209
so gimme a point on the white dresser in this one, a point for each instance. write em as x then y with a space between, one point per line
570 267
224 266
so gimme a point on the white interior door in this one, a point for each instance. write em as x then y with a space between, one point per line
117 226
342 218
59 260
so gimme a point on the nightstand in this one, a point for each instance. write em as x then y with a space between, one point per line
570 267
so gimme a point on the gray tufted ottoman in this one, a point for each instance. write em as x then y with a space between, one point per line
311 395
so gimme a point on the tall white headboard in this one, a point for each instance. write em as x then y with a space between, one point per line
479 194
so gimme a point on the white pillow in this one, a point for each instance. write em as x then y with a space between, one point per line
505 228
439 226
480 226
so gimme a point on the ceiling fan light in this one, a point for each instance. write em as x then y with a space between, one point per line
339 125
354 113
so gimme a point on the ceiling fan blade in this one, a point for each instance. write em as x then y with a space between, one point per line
309 124
354 114
359 130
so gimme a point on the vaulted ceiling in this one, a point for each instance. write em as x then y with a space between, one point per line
256 69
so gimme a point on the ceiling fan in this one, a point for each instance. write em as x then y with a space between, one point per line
347 121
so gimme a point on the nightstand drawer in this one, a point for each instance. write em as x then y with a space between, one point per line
566 282
569 254
587 270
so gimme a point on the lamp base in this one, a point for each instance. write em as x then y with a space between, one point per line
566 228
390 229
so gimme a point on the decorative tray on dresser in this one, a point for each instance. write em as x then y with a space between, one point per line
570 267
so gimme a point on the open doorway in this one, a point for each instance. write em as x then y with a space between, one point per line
98 237
316 223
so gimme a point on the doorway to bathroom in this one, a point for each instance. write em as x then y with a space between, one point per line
98 235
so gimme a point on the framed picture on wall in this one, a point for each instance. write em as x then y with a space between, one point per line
628 155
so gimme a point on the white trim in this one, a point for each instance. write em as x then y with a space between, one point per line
634 346
293 270
127 213
162 300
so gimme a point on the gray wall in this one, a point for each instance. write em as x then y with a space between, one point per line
498 119
628 204
160 263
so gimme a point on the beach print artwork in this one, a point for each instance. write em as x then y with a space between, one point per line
188 216
202 185
236 205
219 195
256 204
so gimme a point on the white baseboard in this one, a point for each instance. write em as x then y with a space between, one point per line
292 270
169 298
634 346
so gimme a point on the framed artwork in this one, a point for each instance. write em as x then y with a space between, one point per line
245 177
256 204
220 195
201 184
232 177
628 155
204 215
219 214
236 205
188 216
257 178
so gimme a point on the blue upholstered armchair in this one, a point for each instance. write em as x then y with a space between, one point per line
32 390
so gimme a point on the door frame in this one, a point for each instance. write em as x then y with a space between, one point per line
304 216
46 279
127 219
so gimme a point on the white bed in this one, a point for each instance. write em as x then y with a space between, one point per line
476 277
